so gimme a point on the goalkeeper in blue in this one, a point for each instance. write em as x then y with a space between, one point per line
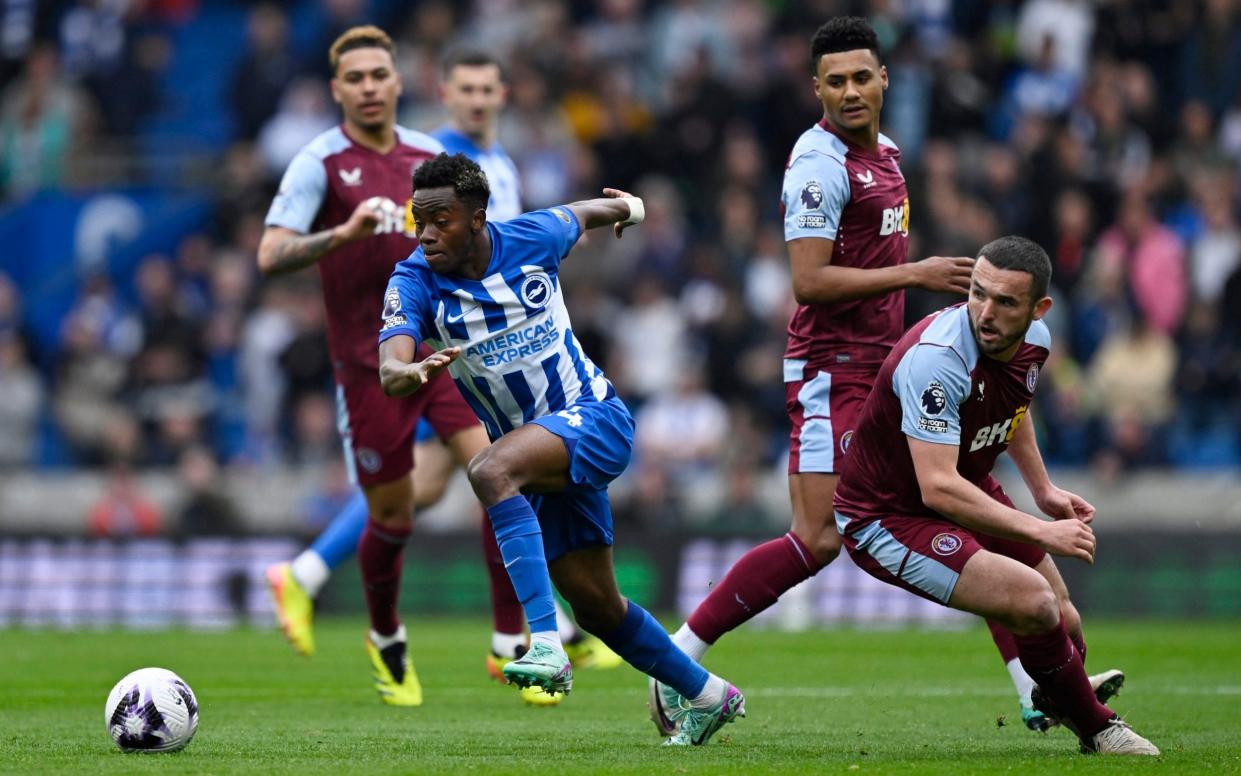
488 296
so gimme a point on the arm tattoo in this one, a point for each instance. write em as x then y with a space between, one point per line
301 251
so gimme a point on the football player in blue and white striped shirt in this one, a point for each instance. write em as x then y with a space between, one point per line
489 297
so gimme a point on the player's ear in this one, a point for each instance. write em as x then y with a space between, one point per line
883 75
335 93
1041 307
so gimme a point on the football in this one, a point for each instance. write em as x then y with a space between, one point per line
151 710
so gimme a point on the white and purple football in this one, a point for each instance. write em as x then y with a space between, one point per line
151 710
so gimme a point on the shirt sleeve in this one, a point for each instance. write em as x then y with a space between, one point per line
301 194
553 232
816 190
931 382
407 306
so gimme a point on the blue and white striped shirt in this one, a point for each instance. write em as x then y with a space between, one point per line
519 359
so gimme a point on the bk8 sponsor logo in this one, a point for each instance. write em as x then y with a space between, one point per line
895 220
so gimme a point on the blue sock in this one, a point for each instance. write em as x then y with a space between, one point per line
646 646
521 544
340 539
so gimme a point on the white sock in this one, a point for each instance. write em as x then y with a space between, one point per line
564 623
310 572
550 638
690 644
712 693
383 642
1021 680
506 644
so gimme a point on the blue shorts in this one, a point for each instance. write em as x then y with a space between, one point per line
599 439
424 433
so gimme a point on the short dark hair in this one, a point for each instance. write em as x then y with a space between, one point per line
842 33
467 179
469 58
1018 253
366 36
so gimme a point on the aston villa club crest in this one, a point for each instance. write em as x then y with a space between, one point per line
946 544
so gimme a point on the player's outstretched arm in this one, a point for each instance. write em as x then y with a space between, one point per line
616 208
1052 501
399 374
283 250
945 491
817 281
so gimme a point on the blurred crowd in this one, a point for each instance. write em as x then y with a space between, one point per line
1108 131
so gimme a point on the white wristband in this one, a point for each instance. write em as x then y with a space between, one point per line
637 212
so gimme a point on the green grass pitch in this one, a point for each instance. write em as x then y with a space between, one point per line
822 702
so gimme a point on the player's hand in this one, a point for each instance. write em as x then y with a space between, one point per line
435 363
363 221
950 274
1062 505
1068 538
620 226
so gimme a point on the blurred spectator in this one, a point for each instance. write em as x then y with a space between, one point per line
1212 56
123 511
1216 254
205 509
18 21
1046 87
22 389
1071 239
1063 27
92 38
1152 258
1209 372
43 117
267 332
98 338
332 492
265 71
314 440
1131 378
650 341
305 113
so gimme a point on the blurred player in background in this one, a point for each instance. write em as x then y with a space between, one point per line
342 205
489 295
919 509
846 221
474 94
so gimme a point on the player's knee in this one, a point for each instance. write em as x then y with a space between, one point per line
393 515
429 493
825 547
490 477
823 542
1036 611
